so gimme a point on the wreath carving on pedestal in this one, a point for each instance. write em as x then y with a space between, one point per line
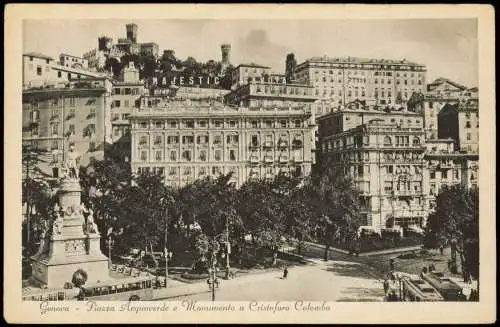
79 278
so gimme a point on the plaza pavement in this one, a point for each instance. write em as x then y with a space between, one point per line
329 281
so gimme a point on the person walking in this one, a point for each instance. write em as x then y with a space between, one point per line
285 273
386 286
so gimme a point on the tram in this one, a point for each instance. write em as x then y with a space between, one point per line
418 290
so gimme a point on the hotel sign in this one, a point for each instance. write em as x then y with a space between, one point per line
185 80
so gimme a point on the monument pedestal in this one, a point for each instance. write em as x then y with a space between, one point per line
73 244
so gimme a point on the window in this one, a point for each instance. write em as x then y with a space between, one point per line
445 174
298 123
143 140
217 155
202 123
173 124
39 70
144 155
188 139
215 170
173 155
217 123
34 130
71 102
71 129
202 139
232 155
468 136
144 124
92 146
387 141
54 128
172 171
69 75
158 156
126 103
172 140
416 141
116 131
158 124
59 74
255 140
186 155
203 155
232 123
269 124
128 91
92 112
467 124
158 139
255 124
189 124
433 175
217 139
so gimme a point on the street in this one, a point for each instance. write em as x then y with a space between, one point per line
330 281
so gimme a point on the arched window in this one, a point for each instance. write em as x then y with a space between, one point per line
387 141
416 141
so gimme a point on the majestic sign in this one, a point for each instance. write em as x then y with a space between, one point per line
180 79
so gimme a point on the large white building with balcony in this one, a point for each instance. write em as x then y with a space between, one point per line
383 152
185 140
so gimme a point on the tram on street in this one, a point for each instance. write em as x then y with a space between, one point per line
418 290
125 289
444 285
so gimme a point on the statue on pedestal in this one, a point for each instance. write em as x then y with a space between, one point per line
71 162
58 224
91 227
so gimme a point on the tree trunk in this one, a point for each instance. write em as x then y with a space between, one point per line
275 255
327 247
453 248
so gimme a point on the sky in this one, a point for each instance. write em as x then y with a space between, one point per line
448 47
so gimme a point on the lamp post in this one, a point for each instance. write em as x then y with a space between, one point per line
168 256
110 242
213 264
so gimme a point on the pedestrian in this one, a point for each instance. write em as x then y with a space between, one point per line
391 263
432 267
392 297
285 273
386 286
441 249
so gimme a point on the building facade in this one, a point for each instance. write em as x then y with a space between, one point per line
384 155
67 60
77 114
42 71
460 122
191 139
445 166
382 82
125 97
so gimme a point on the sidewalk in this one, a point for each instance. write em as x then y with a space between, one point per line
365 254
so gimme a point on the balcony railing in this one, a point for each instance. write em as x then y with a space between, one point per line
268 159
254 159
284 159
268 144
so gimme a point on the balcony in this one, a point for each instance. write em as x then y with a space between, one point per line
268 159
254 145
254 159
283 144
283 159
267 144
446 165
406 193
297 159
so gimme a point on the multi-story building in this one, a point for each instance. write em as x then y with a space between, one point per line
384 154
71 61
125 97
149 49
460 122
245 73
191 139
445 166
445 88
382 82
77 114
41 71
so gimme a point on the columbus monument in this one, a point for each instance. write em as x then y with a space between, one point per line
72 242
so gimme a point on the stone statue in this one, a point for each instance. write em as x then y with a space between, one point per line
71 162
58 224
91 226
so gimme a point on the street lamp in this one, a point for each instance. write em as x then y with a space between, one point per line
110 242
168 256
213 264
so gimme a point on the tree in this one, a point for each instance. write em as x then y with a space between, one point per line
457 221
336 206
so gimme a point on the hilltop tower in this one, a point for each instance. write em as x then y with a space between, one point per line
290 67
132 33
226 55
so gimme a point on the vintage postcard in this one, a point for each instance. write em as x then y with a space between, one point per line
249 163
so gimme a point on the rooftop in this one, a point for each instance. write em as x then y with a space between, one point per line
252 65
358 60
37 55
441 80
69 55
